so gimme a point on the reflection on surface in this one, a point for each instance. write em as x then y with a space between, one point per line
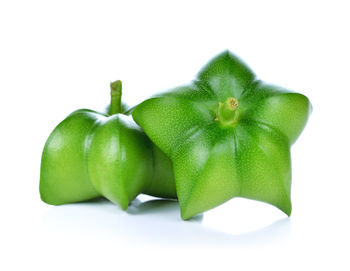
157 222
158 206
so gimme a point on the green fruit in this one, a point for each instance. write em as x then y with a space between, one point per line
228 135
91 154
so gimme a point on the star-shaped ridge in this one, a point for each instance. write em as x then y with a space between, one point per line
228 135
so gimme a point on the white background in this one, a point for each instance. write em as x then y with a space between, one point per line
58 56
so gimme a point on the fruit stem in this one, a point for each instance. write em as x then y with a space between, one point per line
116 97
227 113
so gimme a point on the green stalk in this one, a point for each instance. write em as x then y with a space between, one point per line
227 113
116 98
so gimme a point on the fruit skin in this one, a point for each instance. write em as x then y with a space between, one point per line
228 135
92 154
63 176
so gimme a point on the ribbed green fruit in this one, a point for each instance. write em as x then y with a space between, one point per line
228 135
92 154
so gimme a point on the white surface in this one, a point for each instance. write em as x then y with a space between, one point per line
57 56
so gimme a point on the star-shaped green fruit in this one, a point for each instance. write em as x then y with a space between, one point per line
228 135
